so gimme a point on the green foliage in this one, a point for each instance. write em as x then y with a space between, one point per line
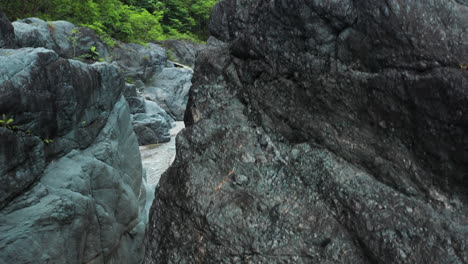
170 55
74 39
145 26
47 141
187 17
17 9
7 123
92 54
138 21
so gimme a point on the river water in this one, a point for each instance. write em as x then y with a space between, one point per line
157 158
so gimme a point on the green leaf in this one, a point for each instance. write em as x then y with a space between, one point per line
9 121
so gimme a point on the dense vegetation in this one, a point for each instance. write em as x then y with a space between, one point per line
126 20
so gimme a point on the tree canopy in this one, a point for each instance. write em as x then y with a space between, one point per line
137 21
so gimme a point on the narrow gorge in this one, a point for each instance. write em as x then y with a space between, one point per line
73 113
315 132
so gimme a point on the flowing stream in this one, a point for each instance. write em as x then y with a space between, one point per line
157 158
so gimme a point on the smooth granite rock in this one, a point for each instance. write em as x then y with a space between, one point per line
151 129
153 109
71 179
170 90
322 132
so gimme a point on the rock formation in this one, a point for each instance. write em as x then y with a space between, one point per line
139 63
322 132
183 51
170 89
71 180
63 37
144 69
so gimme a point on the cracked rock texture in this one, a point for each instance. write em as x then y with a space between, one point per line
71 179
322 132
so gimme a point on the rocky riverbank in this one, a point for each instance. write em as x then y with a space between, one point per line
72 117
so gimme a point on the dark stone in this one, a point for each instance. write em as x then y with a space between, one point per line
7 33
139 63
130 90
348 119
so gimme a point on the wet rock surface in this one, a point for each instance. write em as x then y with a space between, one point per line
322 132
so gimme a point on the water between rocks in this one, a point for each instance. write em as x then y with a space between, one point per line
157 158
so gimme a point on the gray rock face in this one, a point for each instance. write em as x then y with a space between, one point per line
184 51
139 62
322 132
7 34
170 90
71 187
63 37
151 129
153 125
136 104
142 65
153 109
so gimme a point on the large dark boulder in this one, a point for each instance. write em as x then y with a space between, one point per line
322 132
71 179
7 33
